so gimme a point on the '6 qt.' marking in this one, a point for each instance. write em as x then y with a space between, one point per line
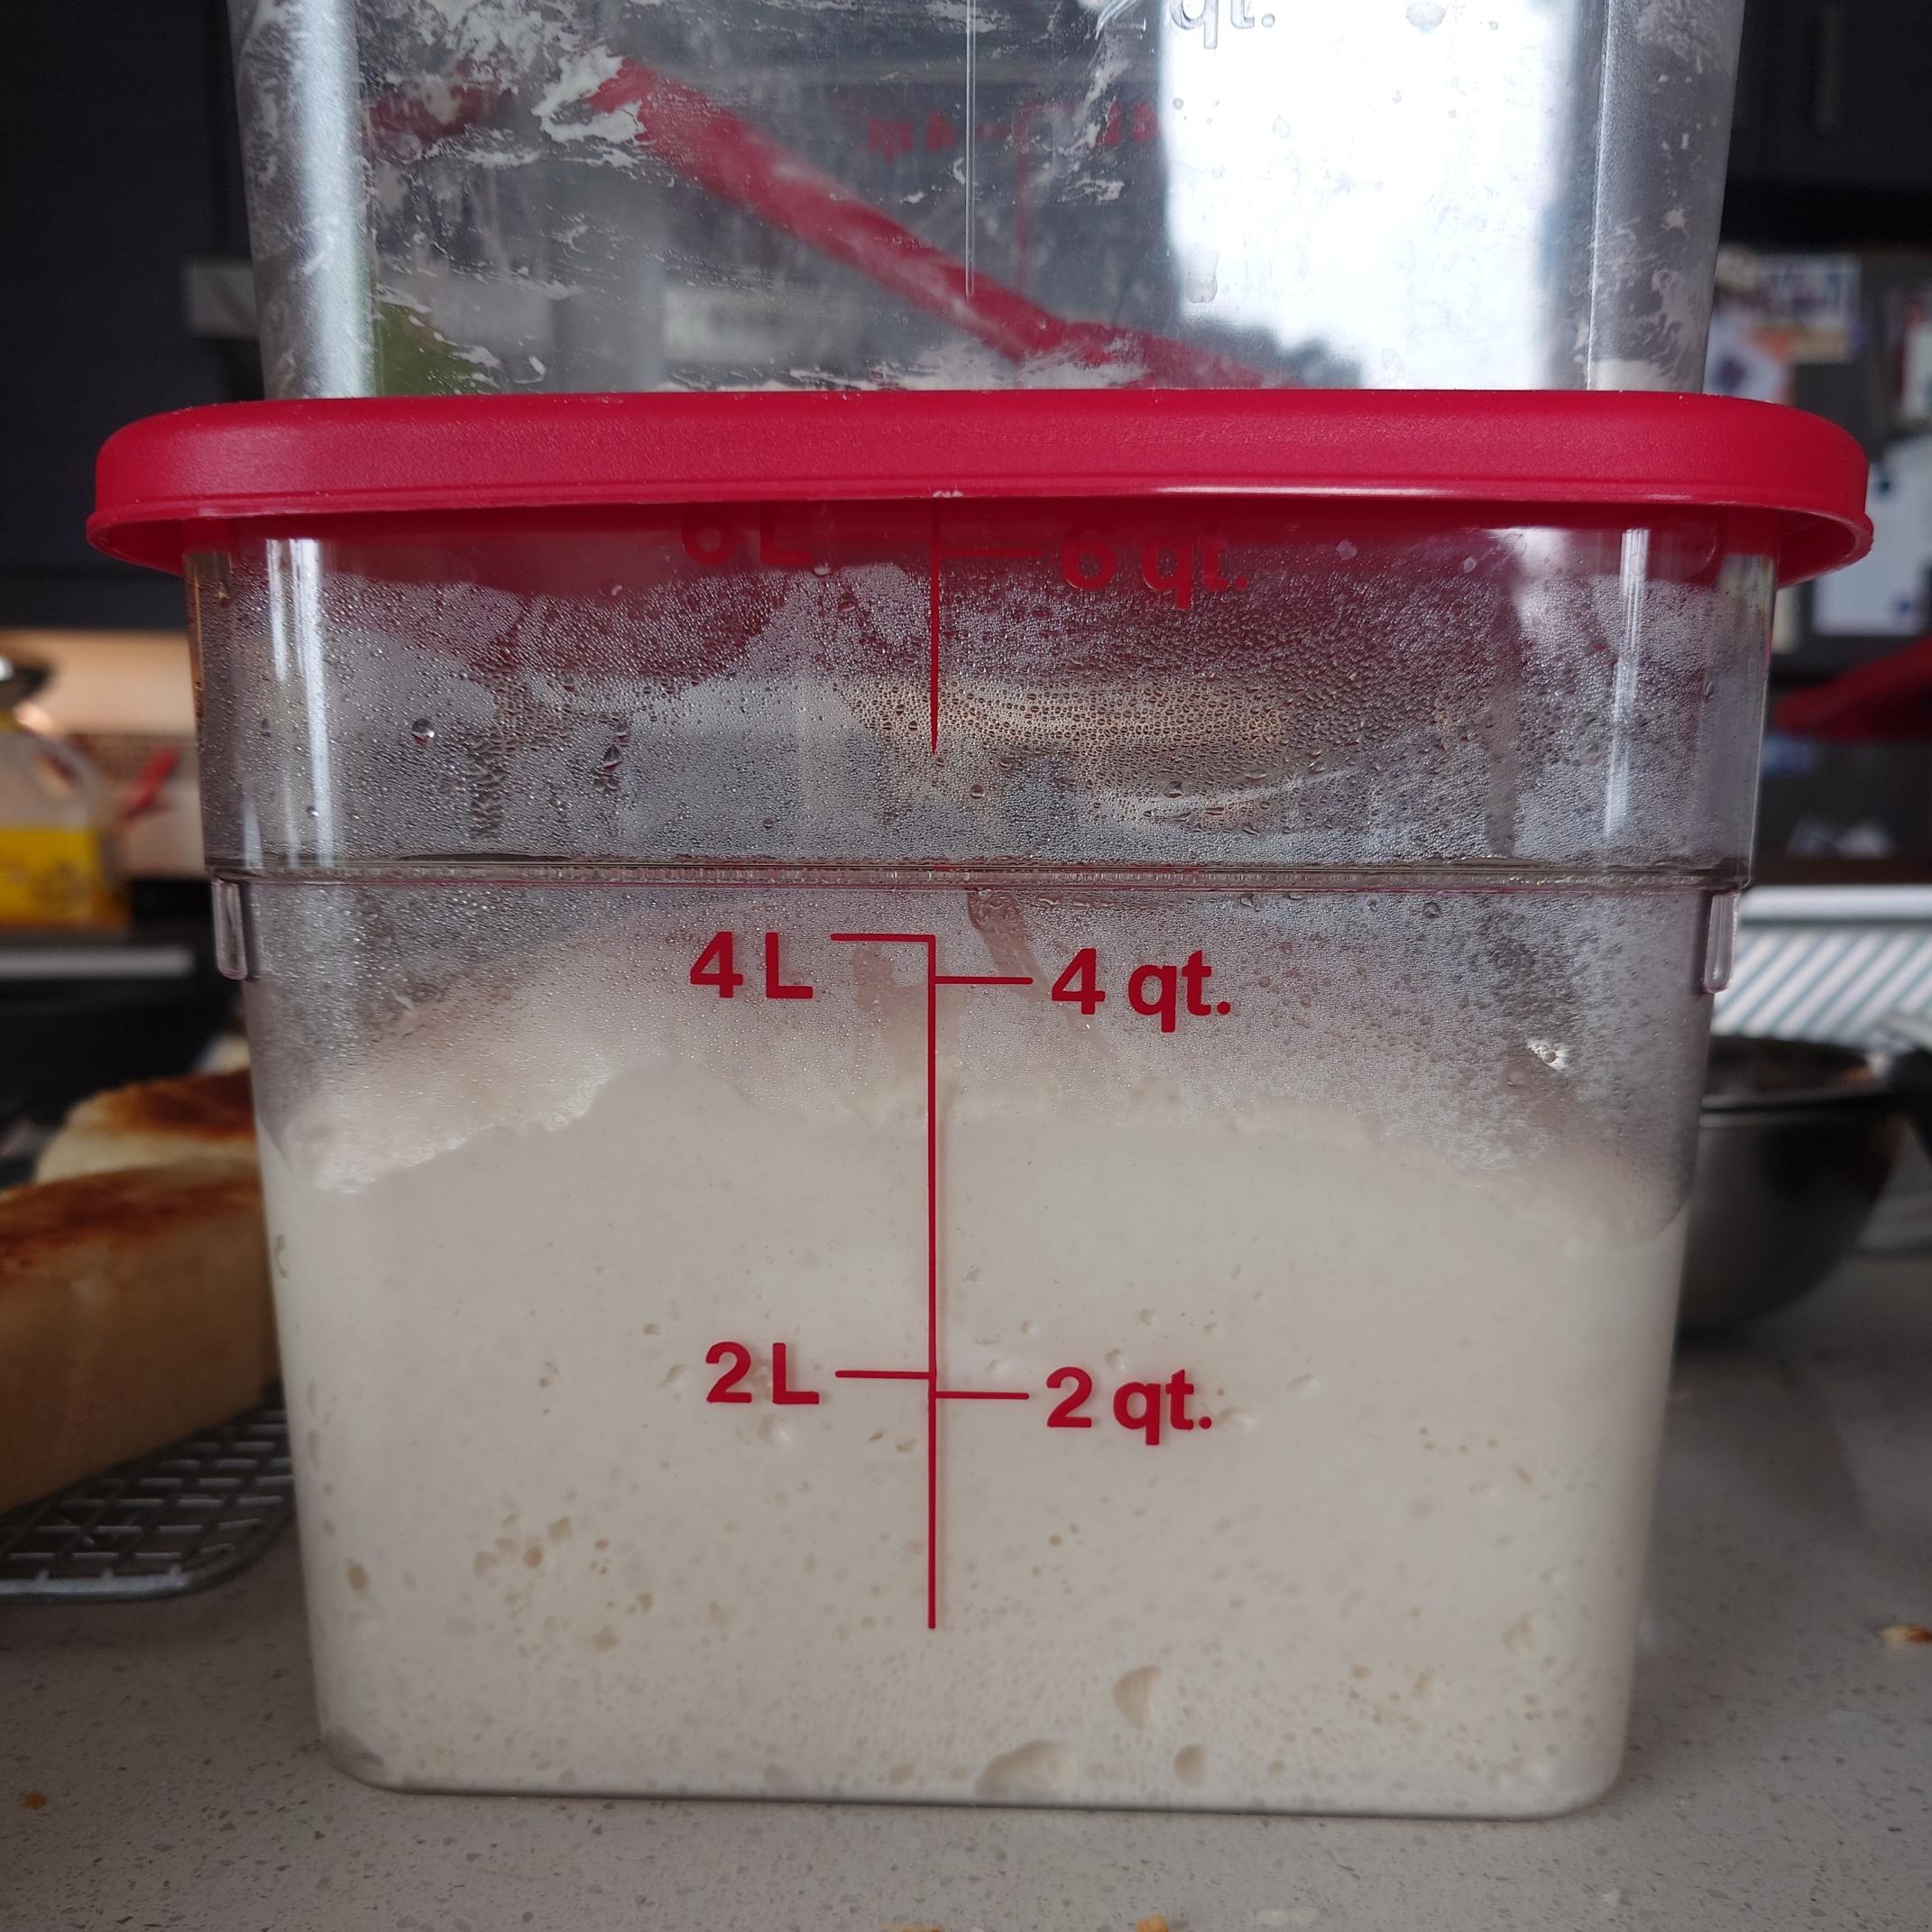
1171 565
1177 563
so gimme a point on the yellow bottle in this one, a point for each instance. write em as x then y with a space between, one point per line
58 868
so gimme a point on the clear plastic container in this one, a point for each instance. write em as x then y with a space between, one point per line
1027 1143
454 196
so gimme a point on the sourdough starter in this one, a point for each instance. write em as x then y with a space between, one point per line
1394 1566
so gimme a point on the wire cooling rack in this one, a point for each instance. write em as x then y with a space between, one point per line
179 1520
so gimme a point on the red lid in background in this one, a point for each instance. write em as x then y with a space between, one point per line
293 464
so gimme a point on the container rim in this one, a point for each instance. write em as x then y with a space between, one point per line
164 485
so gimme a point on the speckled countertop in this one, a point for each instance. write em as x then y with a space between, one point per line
1780 1771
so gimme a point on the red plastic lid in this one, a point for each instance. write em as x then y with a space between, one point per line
295 463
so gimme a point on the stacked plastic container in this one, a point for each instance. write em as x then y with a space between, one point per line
458 196
981 1096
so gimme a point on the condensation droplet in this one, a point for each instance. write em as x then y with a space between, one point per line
422 731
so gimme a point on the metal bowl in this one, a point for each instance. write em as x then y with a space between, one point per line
1795 1144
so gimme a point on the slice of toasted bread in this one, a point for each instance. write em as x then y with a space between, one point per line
135 1309
208 1118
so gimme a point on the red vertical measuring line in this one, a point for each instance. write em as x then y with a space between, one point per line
934 1394
932 673
930 942
931 1257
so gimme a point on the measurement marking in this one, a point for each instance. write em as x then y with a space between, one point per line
986 1394
932 672
935 980
930 940
932 1274
881 1375
936 556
